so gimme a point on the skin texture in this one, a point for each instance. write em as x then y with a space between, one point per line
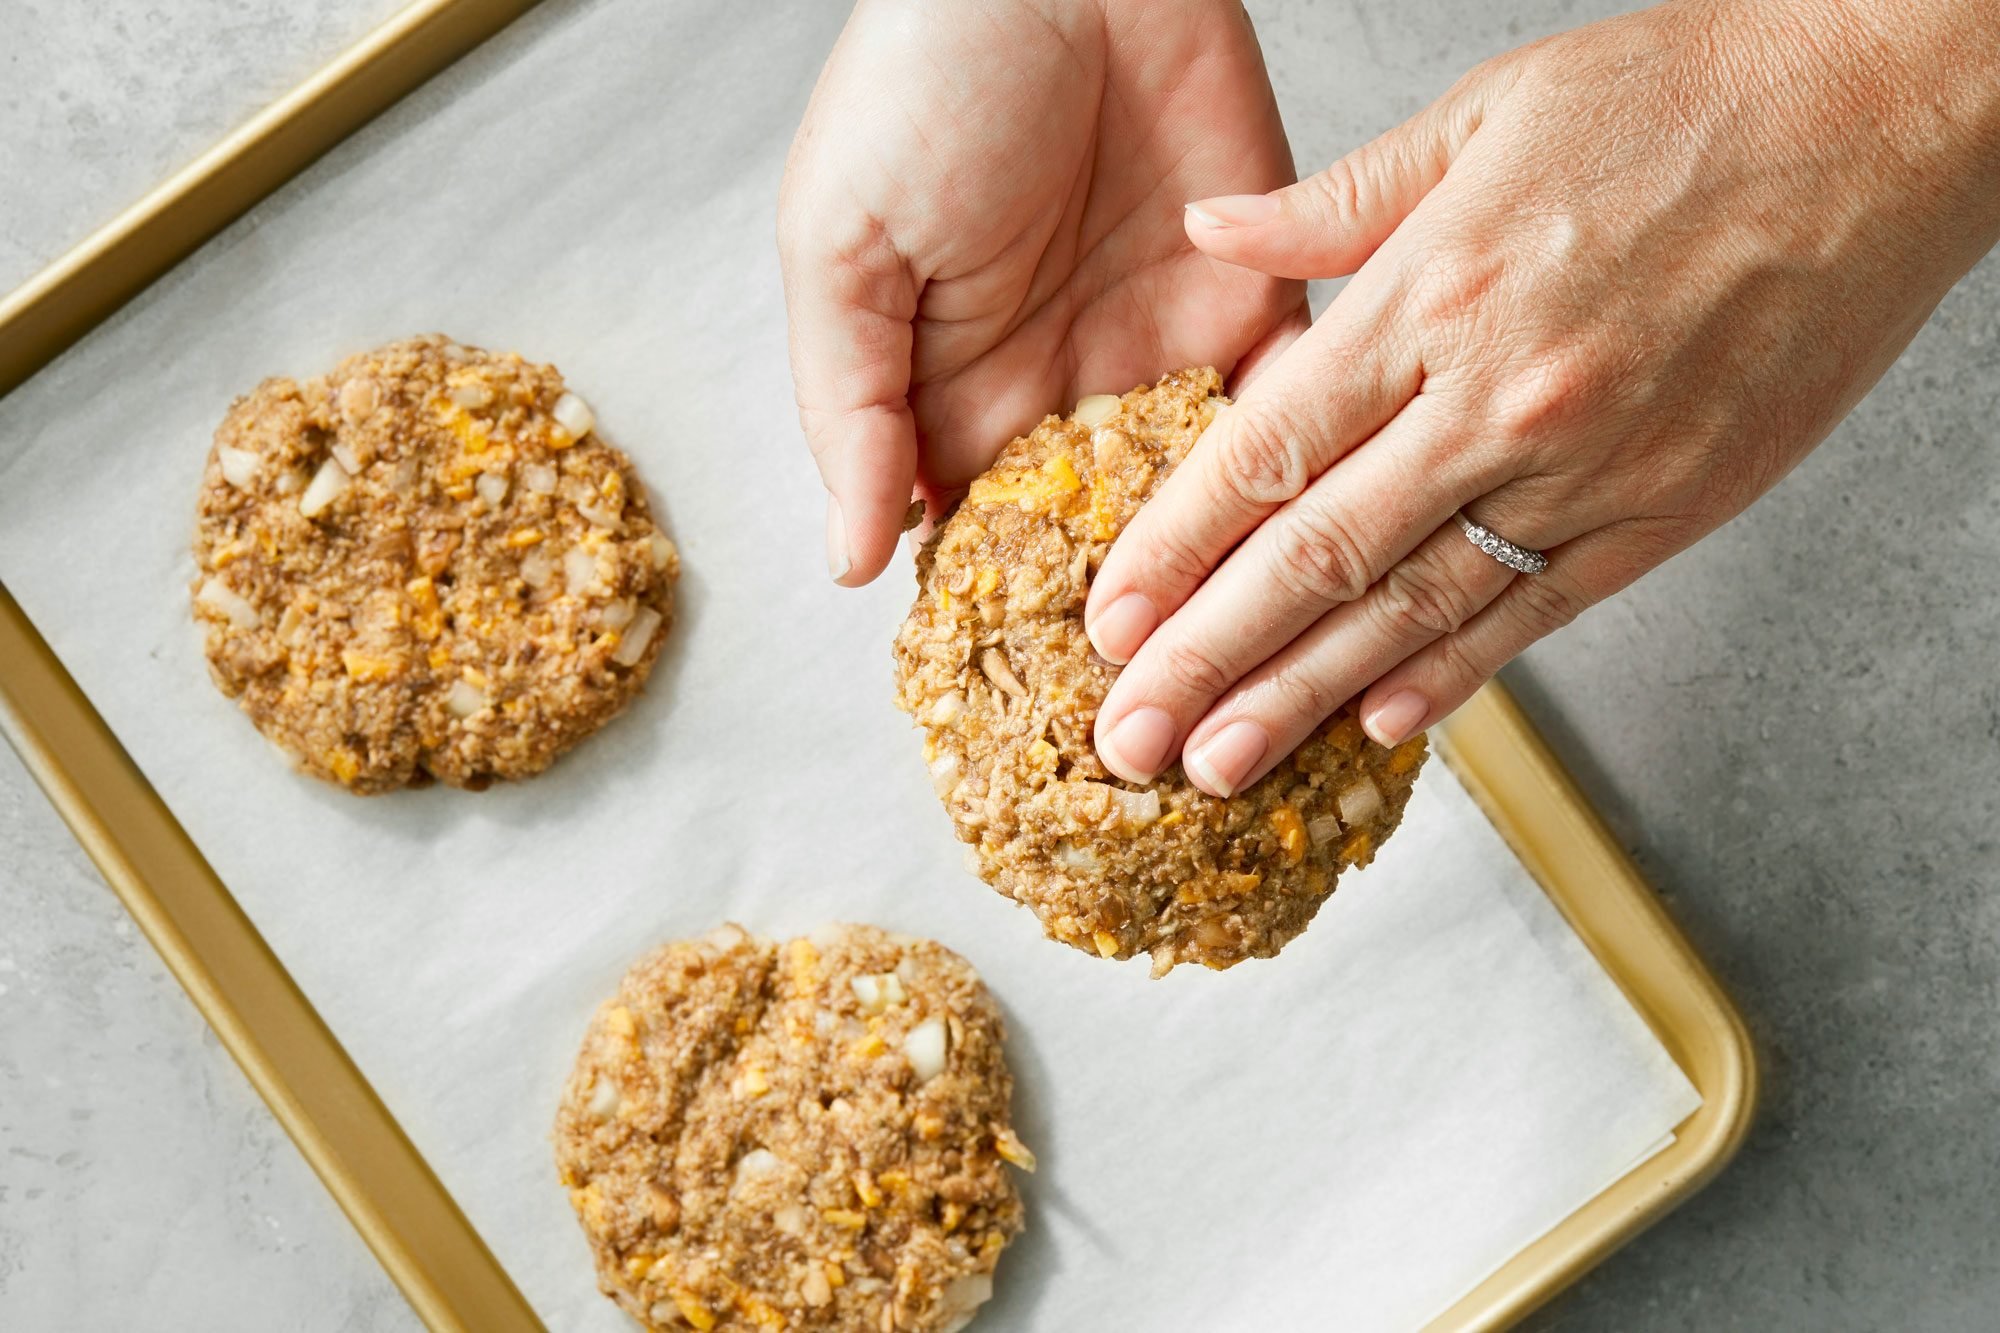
981 223
1606 291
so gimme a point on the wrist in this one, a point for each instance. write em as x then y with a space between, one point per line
1921 79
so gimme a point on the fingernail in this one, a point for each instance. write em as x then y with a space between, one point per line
1397 717
1235 210
838 561
1122 626
1136 749
1224 760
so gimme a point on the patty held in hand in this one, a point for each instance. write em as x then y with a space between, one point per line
812 1137
993 663
426 565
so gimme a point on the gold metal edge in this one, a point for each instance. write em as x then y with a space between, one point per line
290 1056
323 1101
402 1211
40 319
1541 814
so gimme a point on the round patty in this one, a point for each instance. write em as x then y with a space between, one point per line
426 565
994 665
809 1137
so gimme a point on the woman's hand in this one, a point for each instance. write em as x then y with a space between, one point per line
1607 291
981 223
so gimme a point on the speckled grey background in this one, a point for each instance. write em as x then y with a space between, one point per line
1795 728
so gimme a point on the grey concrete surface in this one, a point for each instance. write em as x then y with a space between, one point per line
1795 728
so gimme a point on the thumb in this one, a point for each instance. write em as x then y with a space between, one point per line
848 310
1328 224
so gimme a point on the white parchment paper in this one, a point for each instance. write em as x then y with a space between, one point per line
1348 1137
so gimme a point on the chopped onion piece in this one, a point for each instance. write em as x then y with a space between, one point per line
472 393
404 478
1324 829
758 1162
728 935
492 488
221 597
959 1304
632 647
573 415
892 989
1359 802
327 484
1072 857
465 699
618 614
925 1046
1138 807
792 1219
660 550
239 466
343 454
1097 409
539 478
579 570
868 990
947 710
944 773
604 1099
599 515
828 936
537 568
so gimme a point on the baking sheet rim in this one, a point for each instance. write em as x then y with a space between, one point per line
451 1279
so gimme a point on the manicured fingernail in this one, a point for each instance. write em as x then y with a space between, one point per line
1224 760
1397 717
1136 749
1235 210
838 561
1121 627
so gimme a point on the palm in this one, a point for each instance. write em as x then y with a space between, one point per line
1080 278
1028 176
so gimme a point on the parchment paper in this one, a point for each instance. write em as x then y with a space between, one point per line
1348 1137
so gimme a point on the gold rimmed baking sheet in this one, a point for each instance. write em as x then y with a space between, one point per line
324 1102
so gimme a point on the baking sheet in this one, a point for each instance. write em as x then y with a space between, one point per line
1352 1136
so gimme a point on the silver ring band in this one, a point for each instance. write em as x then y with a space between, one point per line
1518 558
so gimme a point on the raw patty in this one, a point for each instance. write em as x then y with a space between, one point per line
426 565
994 665
809 1137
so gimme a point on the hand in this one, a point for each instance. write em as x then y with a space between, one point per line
1607 291
981 223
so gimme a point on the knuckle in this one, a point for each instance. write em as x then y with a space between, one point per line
1548 601
1318 560
1337 191
1457 665
1194 669
1262 458
1548 393
1419 601
1447 287
1162 559
1302 694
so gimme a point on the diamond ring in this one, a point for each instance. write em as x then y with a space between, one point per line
1514 557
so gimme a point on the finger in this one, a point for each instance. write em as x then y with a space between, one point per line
1337 385
1439 587
1325 548
1328 224
849 303
1424 689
